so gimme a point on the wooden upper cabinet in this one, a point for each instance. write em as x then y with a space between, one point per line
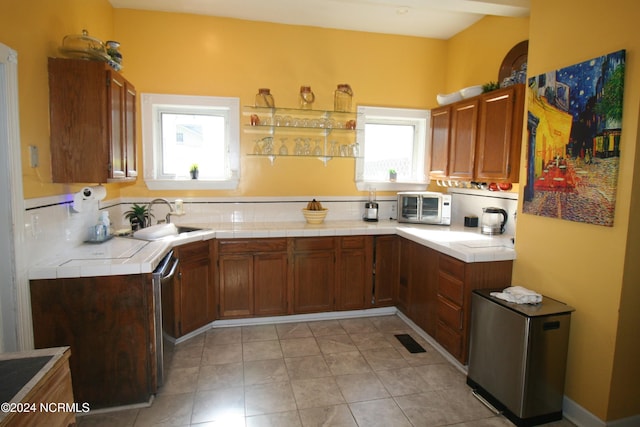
464 121
92 113
500 134
440 126
479 138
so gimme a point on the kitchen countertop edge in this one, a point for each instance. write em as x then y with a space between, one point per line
454 241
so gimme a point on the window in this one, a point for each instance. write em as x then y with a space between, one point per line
394 138
180 131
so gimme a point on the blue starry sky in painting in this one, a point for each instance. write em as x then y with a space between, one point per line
583 78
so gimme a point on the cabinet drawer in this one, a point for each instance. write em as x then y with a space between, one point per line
252 245
451 288
450 314
449 339
451 266
313 243
194 250
353 242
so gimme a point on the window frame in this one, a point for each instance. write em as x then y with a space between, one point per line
389 115
153 105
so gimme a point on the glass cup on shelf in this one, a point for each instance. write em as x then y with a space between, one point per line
317 150
257 147
283 151
297 150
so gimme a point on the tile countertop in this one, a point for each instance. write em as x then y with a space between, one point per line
123 255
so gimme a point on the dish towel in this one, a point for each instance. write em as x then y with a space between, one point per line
518 295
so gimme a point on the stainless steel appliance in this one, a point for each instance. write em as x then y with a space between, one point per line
424 207
518 356
493 220
163 275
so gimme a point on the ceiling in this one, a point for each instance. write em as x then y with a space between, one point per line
440 19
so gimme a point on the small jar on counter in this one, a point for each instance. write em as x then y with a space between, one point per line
342 98
264 98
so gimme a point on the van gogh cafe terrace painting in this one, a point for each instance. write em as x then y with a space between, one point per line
574 126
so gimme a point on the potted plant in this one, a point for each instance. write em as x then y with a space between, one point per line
393 175
138 216
194 171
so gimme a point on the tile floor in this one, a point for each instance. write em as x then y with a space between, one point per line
350 372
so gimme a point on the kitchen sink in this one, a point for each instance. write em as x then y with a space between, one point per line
185 229
160 231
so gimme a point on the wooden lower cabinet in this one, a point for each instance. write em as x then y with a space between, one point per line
355 273
455 282
270 279
402 295
108 322
422 308
314 260
195 292
48 388
253 277
386 274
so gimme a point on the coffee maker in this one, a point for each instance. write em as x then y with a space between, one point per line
371 207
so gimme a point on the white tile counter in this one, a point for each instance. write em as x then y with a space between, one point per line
122 255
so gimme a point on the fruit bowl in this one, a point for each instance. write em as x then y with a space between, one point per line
315 216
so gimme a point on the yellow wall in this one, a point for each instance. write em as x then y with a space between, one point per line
202 55
35 29
590 267
474 55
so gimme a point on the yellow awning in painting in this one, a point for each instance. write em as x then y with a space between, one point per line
553 131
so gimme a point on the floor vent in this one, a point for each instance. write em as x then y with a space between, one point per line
410 344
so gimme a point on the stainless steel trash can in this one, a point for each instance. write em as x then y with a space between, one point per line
518 356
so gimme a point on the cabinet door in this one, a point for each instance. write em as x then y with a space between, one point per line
440 125
313 279
108 323
117 125
500 134
195 292
403 291
270 283
78 113
464 122
355 273
385 270
236 285
131 166
423 302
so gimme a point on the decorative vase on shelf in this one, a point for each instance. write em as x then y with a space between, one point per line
264 98
393 175
306 97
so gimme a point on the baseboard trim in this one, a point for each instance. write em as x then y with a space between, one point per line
332 315
583 418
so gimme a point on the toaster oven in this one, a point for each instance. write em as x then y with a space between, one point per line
424 207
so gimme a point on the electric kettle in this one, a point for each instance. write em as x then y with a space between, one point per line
493 220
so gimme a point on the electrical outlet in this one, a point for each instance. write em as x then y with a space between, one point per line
394 211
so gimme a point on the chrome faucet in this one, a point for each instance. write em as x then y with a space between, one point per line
166 202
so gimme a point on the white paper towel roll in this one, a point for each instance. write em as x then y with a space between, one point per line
97 192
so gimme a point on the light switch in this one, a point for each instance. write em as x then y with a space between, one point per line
33 156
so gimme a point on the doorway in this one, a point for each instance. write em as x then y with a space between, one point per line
15 313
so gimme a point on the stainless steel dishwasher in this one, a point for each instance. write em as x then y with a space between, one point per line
518 356
163 275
